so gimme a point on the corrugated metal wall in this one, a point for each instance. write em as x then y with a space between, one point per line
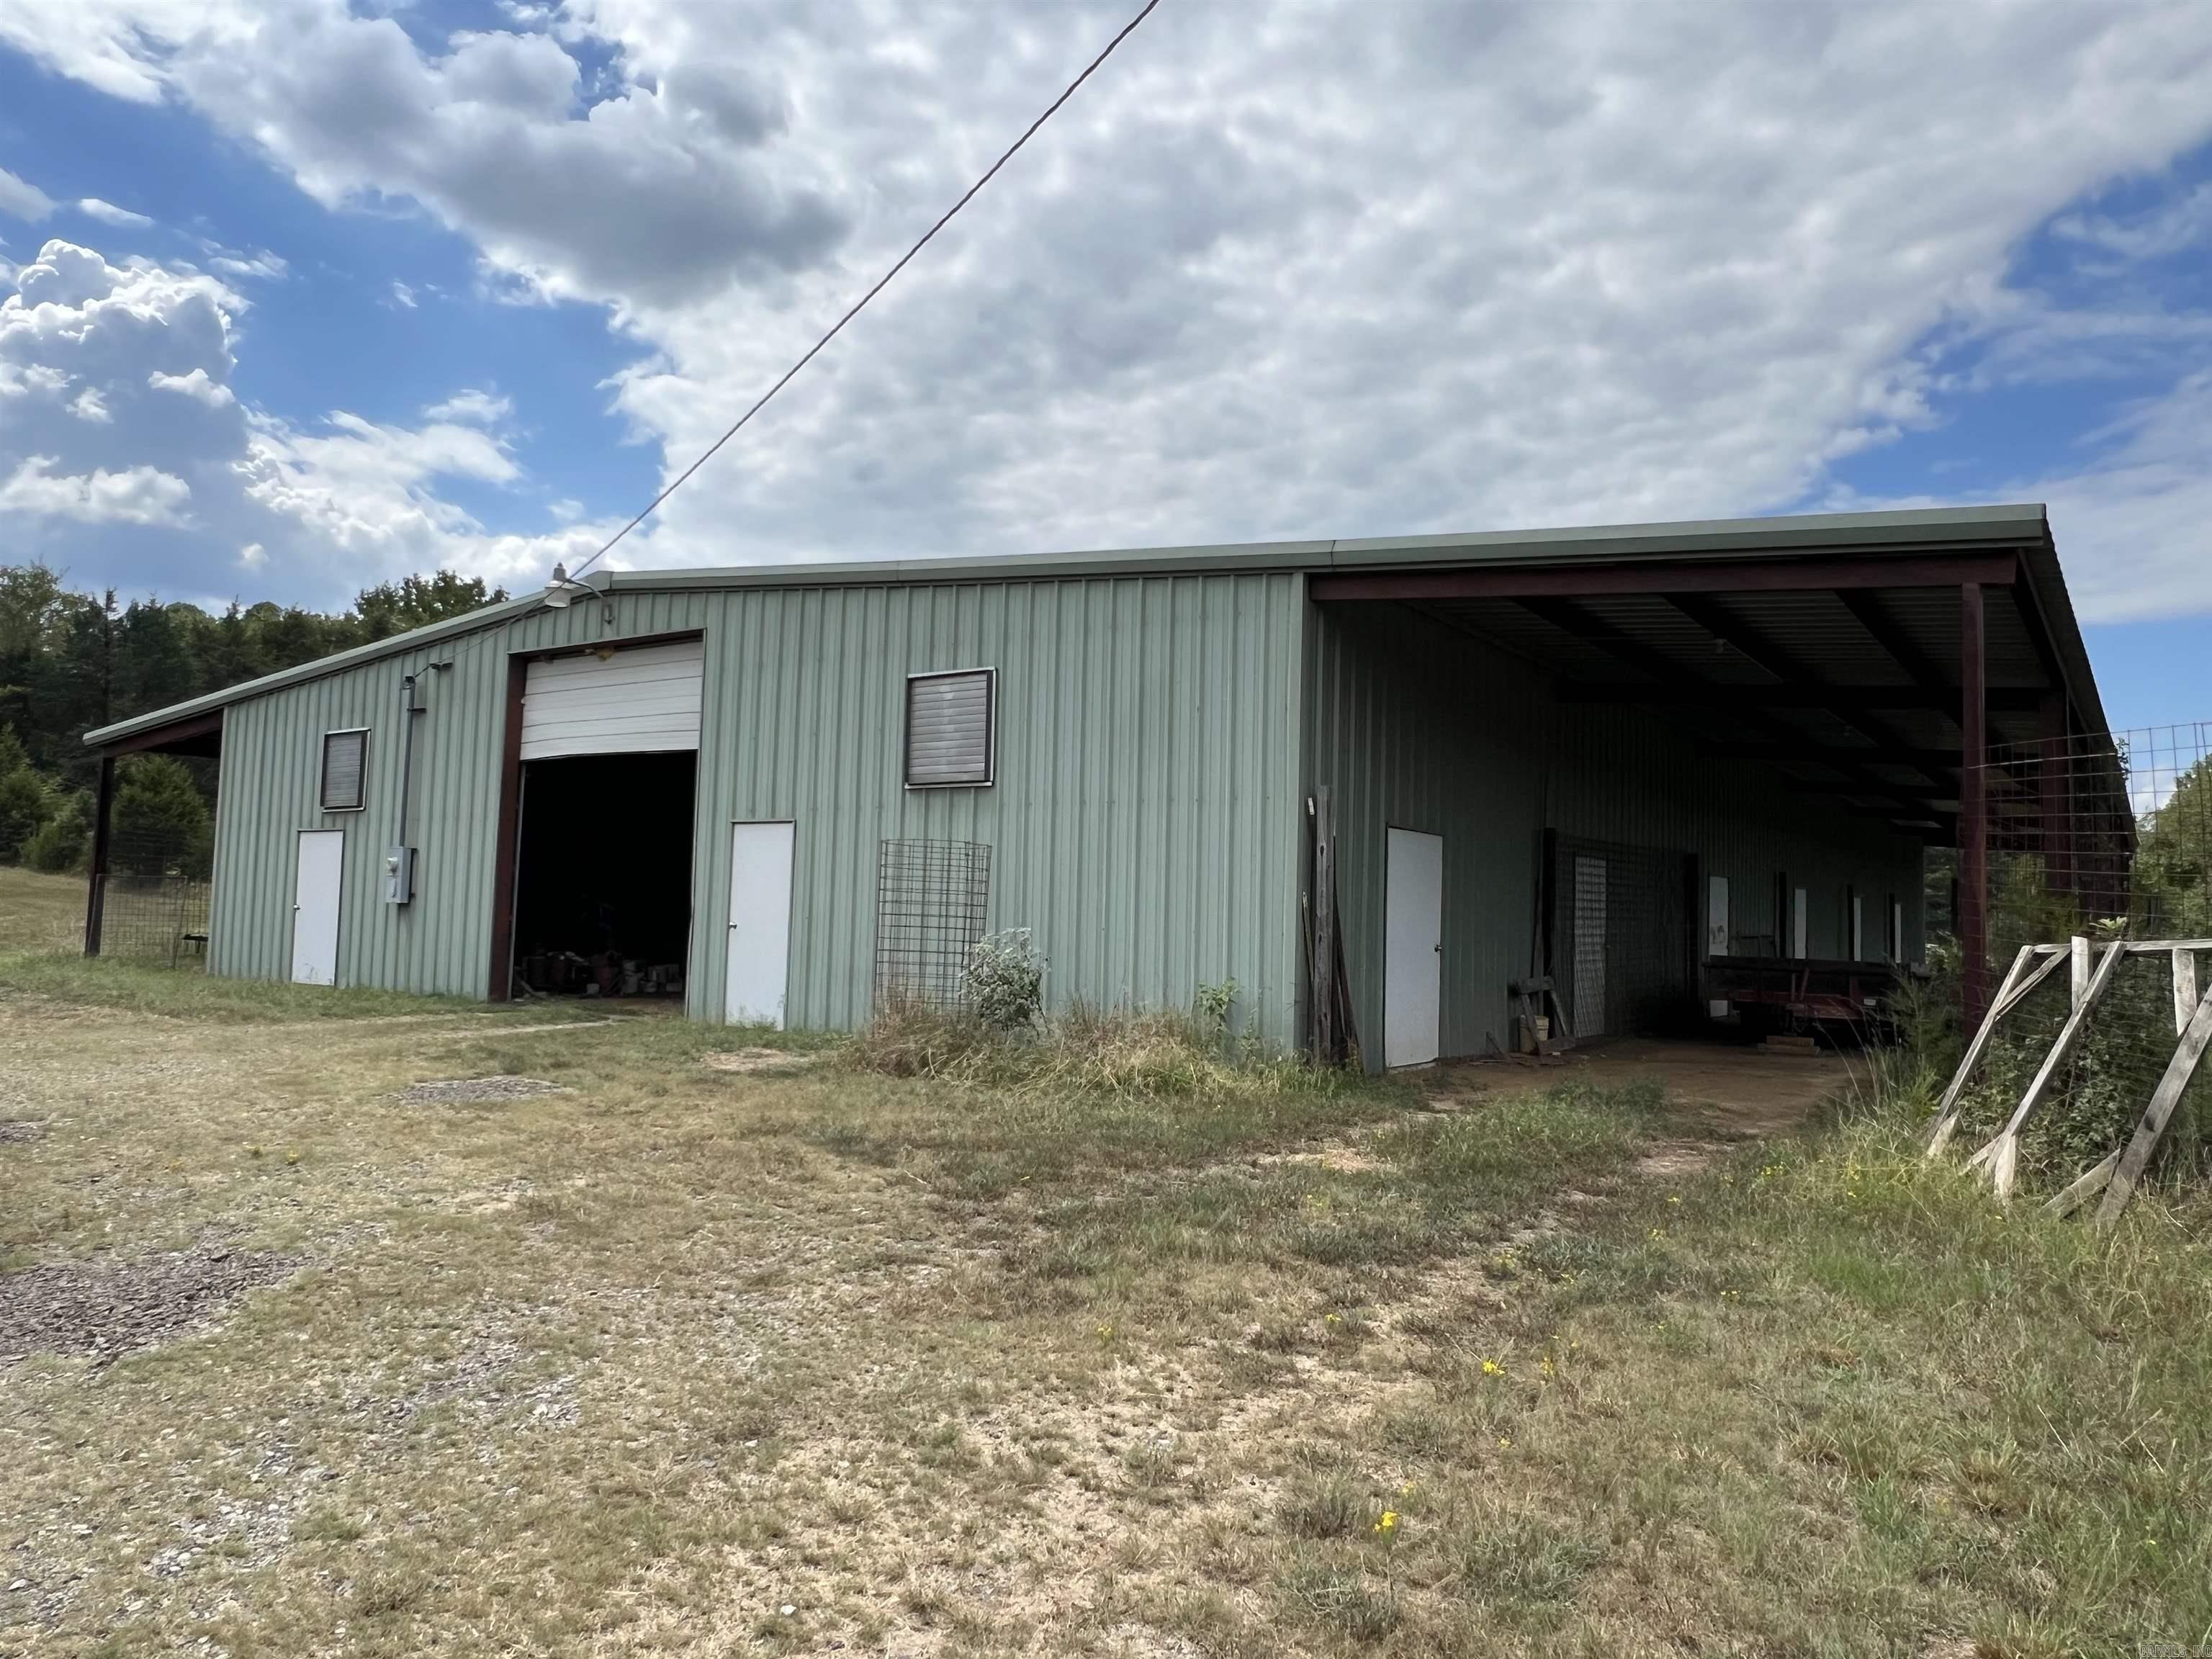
1425 728
1145 823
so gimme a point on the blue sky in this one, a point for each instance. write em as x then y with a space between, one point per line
357 295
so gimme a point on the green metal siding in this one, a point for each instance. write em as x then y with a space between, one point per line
1422 727
1145 824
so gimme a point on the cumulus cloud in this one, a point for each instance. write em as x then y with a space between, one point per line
22 200
1284 271
651 191
475 406
195 385
143 356
137 495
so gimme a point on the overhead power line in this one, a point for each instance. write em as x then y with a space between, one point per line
882 282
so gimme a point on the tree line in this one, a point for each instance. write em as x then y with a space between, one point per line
71 662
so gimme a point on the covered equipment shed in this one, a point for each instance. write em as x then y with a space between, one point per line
1667 767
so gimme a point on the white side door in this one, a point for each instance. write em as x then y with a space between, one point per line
1412 954
759 962
315 885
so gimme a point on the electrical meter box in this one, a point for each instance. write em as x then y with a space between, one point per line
398 874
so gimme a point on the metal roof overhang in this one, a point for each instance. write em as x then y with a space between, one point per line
1882 556
1839 663
192 734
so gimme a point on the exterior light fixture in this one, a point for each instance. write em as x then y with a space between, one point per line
562 589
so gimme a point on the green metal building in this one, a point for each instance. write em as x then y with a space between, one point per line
1613 757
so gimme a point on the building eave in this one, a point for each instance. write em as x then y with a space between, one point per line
2023 526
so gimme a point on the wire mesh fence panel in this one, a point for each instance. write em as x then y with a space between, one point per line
2107 837
932 898
2103 1081
162 919
153 900
1621 942
2112 828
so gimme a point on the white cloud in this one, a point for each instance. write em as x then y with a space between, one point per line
108 214
1289 270
138 494
317 511
261 266
22 200
194 385
475 406
645 191
2131 525
403 295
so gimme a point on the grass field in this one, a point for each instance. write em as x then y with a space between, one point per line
40 912
772 1355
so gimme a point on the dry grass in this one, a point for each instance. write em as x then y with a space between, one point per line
693 1360
41 912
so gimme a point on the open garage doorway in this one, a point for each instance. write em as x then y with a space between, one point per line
602 877
605 763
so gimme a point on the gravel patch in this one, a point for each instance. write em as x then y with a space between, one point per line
462 1090
18 1132
108 1309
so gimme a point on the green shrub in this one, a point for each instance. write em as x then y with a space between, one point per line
2100 1091
25 803
162 823
62 844
1004 979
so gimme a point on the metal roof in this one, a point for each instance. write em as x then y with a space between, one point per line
2023 527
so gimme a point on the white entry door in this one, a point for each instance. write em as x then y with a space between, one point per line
759 924
1412 954
315 907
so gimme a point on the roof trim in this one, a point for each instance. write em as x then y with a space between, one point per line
1911 530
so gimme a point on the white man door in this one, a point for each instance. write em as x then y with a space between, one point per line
316 880
758 963
1413 966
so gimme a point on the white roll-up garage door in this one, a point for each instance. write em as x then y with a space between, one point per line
641 700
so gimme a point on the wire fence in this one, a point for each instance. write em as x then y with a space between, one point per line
161 919
2108 838
154 900
2113 830
932 898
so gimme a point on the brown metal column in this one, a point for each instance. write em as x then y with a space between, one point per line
95 889
1974 918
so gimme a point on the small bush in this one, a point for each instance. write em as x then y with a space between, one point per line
907 1038
1006 980
26 805
1147 1055
62 844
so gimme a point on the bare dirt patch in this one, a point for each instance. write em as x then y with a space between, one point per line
1678 1158
109 1308
770 1061
1730 1091
467 1090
